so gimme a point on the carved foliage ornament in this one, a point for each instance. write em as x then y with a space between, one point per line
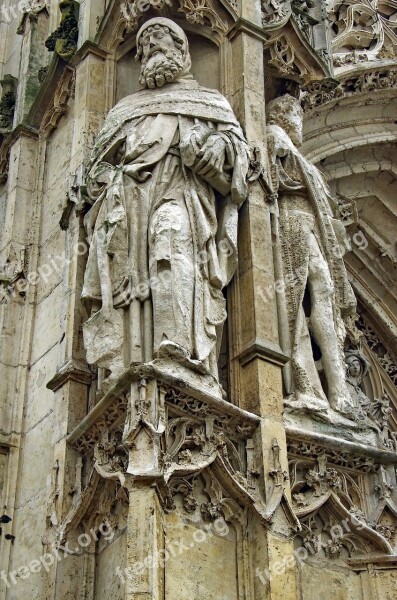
197 12
330 504
307 449
7 103
372 339
379 79
275 13
59 104
368 27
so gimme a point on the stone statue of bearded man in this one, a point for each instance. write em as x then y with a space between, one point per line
167 176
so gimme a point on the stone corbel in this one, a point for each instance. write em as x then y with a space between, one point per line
58 107
290 52
76 197
156 433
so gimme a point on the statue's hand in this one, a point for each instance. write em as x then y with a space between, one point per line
212 157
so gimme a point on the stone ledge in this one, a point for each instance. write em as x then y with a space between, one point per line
76 371
112 408
325 442
264 350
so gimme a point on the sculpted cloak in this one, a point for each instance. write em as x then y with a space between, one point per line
152 215
310 238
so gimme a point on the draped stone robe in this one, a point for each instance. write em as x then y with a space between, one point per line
163 240
310 238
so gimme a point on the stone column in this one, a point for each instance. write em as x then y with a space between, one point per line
71 384
256 355
18 257
145 571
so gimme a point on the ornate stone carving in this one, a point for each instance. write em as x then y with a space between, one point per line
277 497
362 31
197 12
31 8
307 449
384 519
332 511
357 368
275 13
201 12
155 278
133 10
218 505
12 275
7 103
63 40
384 486
59 105
76 198
376 346
314 273
369 81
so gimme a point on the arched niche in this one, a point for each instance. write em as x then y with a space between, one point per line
205 66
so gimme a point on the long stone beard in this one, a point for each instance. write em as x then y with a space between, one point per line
161 68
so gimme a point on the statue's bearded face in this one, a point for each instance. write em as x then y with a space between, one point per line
162 59
286 112
294 118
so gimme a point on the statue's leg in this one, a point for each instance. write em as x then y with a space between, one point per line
323 327
172 267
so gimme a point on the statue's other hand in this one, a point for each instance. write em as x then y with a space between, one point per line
212 157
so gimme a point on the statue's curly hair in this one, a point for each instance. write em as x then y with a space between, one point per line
277 109
179 42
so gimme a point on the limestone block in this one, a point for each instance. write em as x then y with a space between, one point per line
52 266
47 329
386 583
22 163
107 582
58 153
55 201
30 577
36 451
90 80
40 400
205 570
329 584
